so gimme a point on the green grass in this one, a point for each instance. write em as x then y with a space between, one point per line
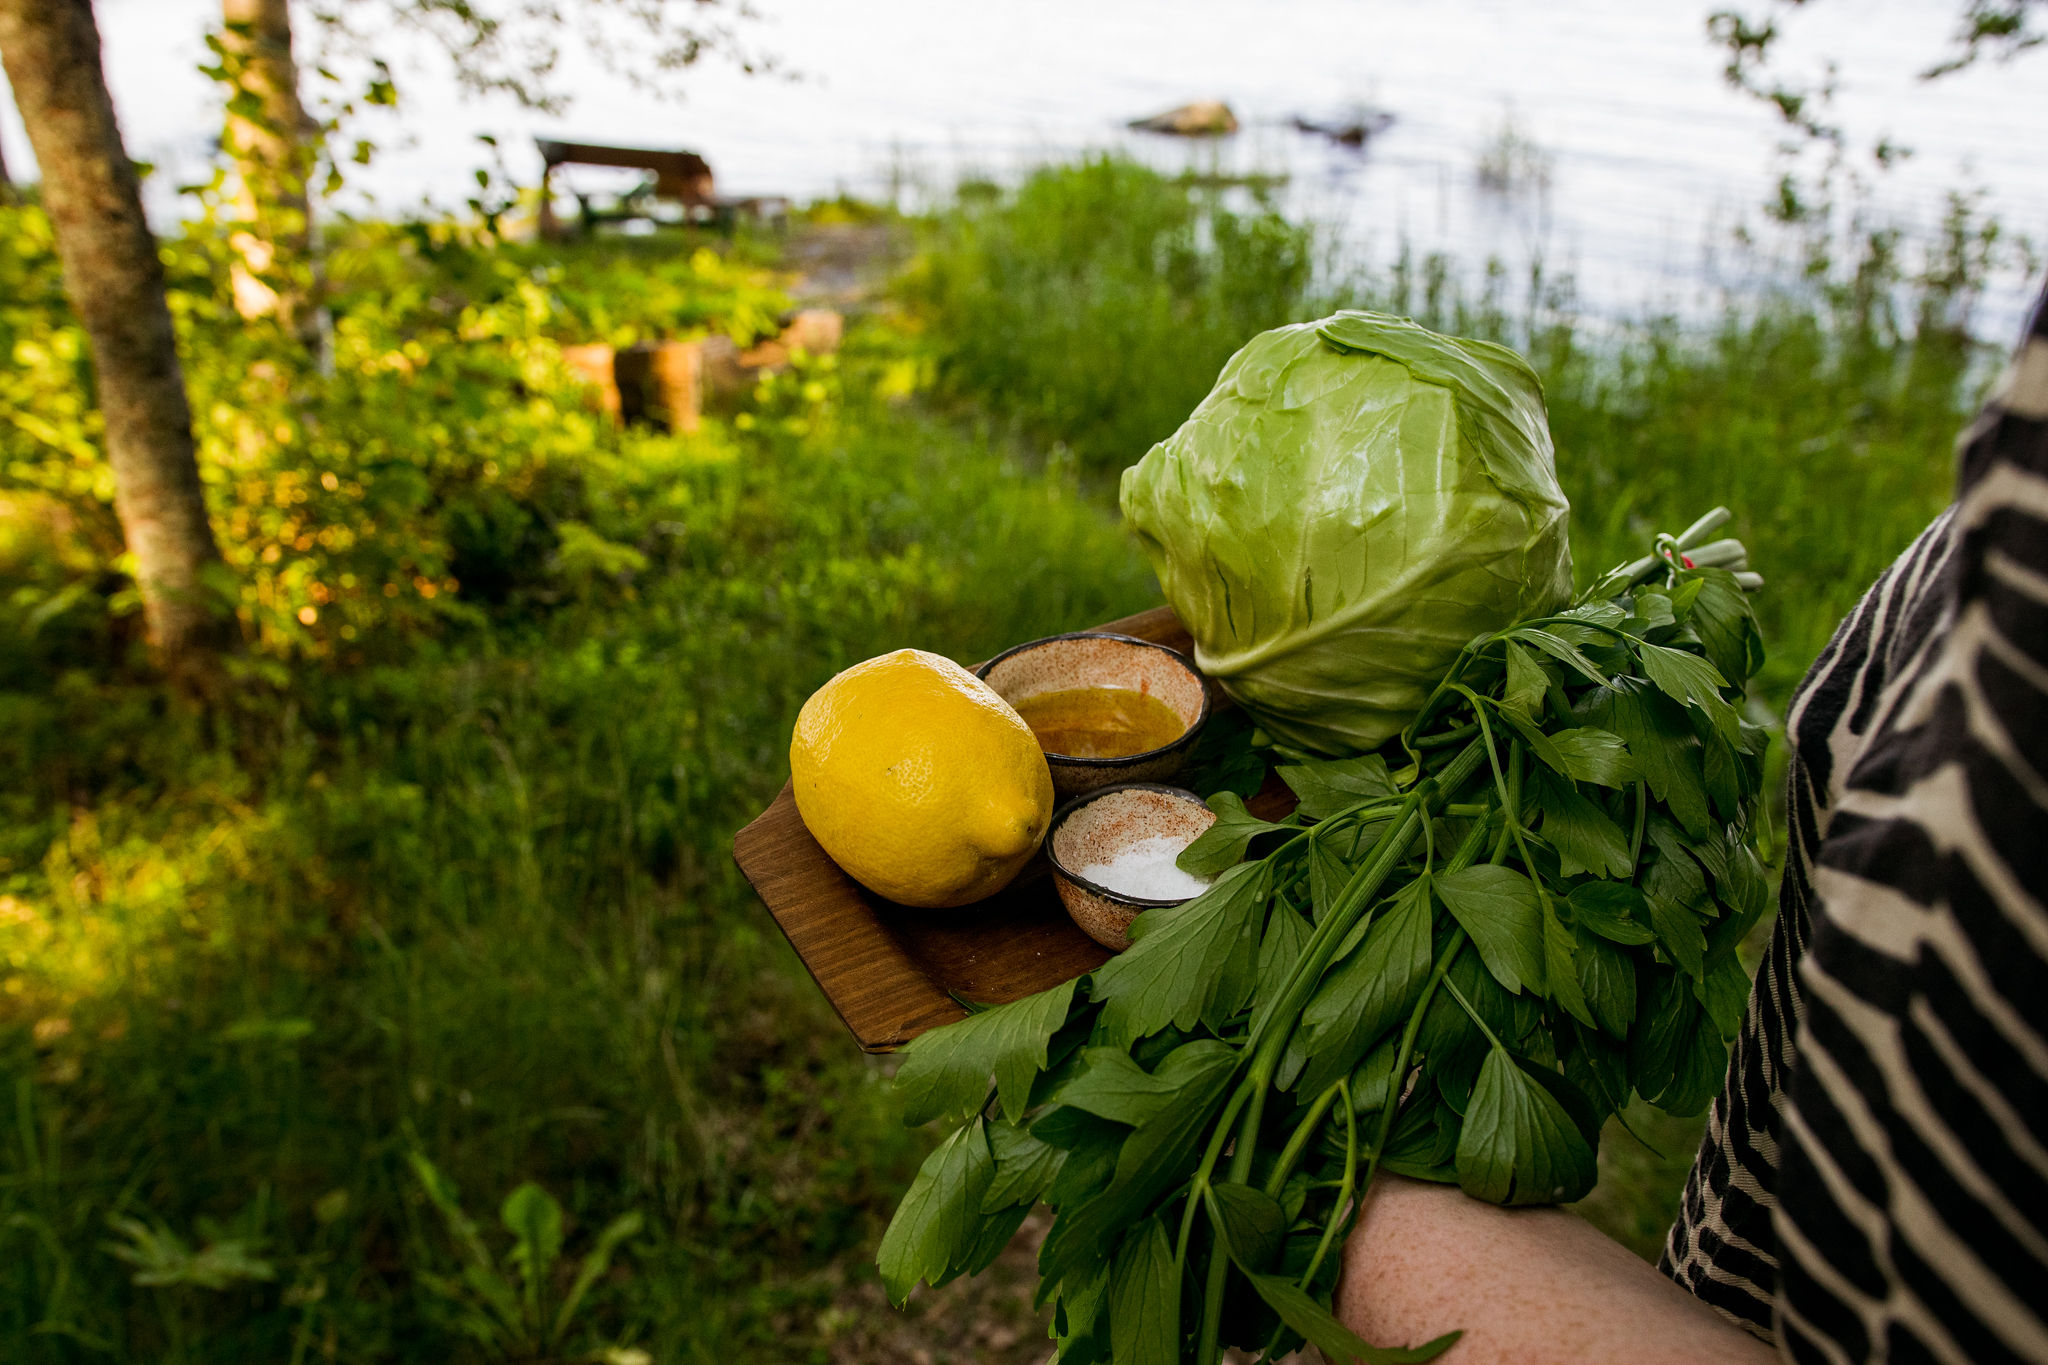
1093 306
451 877
470 896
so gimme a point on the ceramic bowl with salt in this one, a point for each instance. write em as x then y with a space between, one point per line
1112 852
1100 659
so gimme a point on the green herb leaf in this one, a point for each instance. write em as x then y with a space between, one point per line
1333 1338
1079 1310
1608 977
1025 1167
1653 611
1286 933
1721 617
1745 887
1692 680
1724 991
1678 929
1497 907
1561 967
1613 910
1327 874
1597 756
946 1071
937 1222
1092 1146
1152 1160
1337 784
1451 1042
1538 742
1598 1067
1371 1079
1676 1059
1112 1085
1144 1299
1173 969
1527 680
1675 874
1662 744
1224 843
1365 993
1603 612
993 1233
1224 758
1585 838
1424 1141
1252 1219
1557 648
1518 1145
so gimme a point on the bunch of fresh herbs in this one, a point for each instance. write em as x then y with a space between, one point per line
1455 960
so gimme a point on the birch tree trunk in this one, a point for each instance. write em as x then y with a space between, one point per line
51 51
270 139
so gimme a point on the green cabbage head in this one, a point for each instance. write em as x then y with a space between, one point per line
1353 502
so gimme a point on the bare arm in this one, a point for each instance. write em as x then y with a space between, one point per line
1528 1286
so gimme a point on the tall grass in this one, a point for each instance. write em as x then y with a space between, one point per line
1094 304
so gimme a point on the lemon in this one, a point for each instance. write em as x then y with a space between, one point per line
919 780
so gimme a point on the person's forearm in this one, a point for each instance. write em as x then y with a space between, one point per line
1526 1286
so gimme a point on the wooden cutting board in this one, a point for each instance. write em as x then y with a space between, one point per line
892 971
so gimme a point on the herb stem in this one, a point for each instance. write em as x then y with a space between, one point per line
1407 1053
1449 680
1467 854
1241 1154
1341 1087
1344 1188
1303 1131
1465 731
1210 1156
1466 1005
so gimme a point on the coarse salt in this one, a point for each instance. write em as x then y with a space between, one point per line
1146 869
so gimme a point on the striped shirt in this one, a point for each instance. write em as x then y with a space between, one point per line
1873 1184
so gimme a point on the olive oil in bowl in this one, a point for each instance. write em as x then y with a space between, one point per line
1105 708
1100 722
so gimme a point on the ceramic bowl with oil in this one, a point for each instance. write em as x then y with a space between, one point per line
1106 708
1113 854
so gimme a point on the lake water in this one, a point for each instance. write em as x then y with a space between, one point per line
1653 160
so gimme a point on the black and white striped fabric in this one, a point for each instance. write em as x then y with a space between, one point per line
1873 1185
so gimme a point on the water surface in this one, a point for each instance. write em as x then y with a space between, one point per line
1653 159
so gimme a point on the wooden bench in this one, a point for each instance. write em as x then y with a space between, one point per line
679 177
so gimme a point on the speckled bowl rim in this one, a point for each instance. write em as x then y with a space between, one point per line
1186 738
1059 817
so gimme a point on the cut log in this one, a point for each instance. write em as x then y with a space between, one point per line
593 364
661 382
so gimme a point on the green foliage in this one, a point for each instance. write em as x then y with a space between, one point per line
468 870
449 448
1095 304
163 1260
1194 1041
508 1308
